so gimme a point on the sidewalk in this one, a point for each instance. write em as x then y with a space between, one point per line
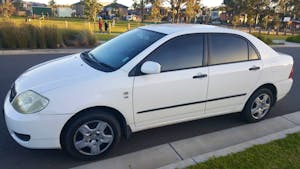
183 153
282 43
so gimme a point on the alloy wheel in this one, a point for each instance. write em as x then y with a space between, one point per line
93 137
261 106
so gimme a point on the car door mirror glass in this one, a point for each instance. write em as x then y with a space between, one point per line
151 67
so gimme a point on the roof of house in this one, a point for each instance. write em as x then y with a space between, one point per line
115 5
79 3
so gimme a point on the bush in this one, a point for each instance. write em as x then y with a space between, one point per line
28 36
294 39
264 39
77 39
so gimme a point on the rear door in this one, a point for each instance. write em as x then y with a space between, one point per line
234 69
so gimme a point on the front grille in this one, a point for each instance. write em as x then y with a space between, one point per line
13 93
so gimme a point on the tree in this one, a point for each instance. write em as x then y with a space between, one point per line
17 4
175 9
265 22
7 9
254 10
277 23
155 11
192 9
139 5
91 9
52 3
236 21
296 9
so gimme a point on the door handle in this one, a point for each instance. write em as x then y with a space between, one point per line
199 76
254 68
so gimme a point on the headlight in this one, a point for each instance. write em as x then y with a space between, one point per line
29 102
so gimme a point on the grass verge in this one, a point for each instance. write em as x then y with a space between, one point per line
27 36
295 39
269 38
279 154
72 23
105 37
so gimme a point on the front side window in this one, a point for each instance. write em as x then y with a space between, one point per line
118 51
227 48
182 52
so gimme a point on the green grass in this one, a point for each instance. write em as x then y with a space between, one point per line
279 154
105 37
295 39
269 38
273 37
73 23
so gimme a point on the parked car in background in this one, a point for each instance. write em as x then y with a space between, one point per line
131 18
148 77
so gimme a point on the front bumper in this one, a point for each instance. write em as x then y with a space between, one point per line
43 130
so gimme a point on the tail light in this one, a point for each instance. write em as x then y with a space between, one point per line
292 72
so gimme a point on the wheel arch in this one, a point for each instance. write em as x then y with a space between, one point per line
125 128
269 86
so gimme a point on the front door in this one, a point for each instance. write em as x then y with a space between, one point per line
177 93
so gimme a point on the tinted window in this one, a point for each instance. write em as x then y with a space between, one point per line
118 51
226 48
179 53
252 53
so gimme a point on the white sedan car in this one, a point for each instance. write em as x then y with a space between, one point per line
148 77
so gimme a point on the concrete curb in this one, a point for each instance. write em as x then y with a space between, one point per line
286 45
186 152
41 51
232 149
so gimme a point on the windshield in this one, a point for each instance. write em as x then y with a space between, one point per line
118 51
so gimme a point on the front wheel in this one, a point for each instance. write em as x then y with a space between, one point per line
91 135
259 105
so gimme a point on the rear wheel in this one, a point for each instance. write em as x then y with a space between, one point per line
259 105
91 135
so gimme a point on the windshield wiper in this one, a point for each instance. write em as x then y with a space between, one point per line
91 56
87 58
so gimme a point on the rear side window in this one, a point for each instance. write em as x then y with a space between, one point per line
227 48
252 53
182 52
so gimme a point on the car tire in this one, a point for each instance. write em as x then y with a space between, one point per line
258 105
90 135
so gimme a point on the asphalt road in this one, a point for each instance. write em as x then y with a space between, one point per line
14 156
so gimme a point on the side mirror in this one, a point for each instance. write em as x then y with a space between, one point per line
151 67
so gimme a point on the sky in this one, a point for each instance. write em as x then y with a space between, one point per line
209 3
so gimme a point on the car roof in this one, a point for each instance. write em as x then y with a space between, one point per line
173 28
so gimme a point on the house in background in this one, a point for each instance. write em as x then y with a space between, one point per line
65 11
24 8
38 11
79 8
114 10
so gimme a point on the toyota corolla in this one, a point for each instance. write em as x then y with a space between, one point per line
147 77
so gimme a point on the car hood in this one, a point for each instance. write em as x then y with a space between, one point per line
54 73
